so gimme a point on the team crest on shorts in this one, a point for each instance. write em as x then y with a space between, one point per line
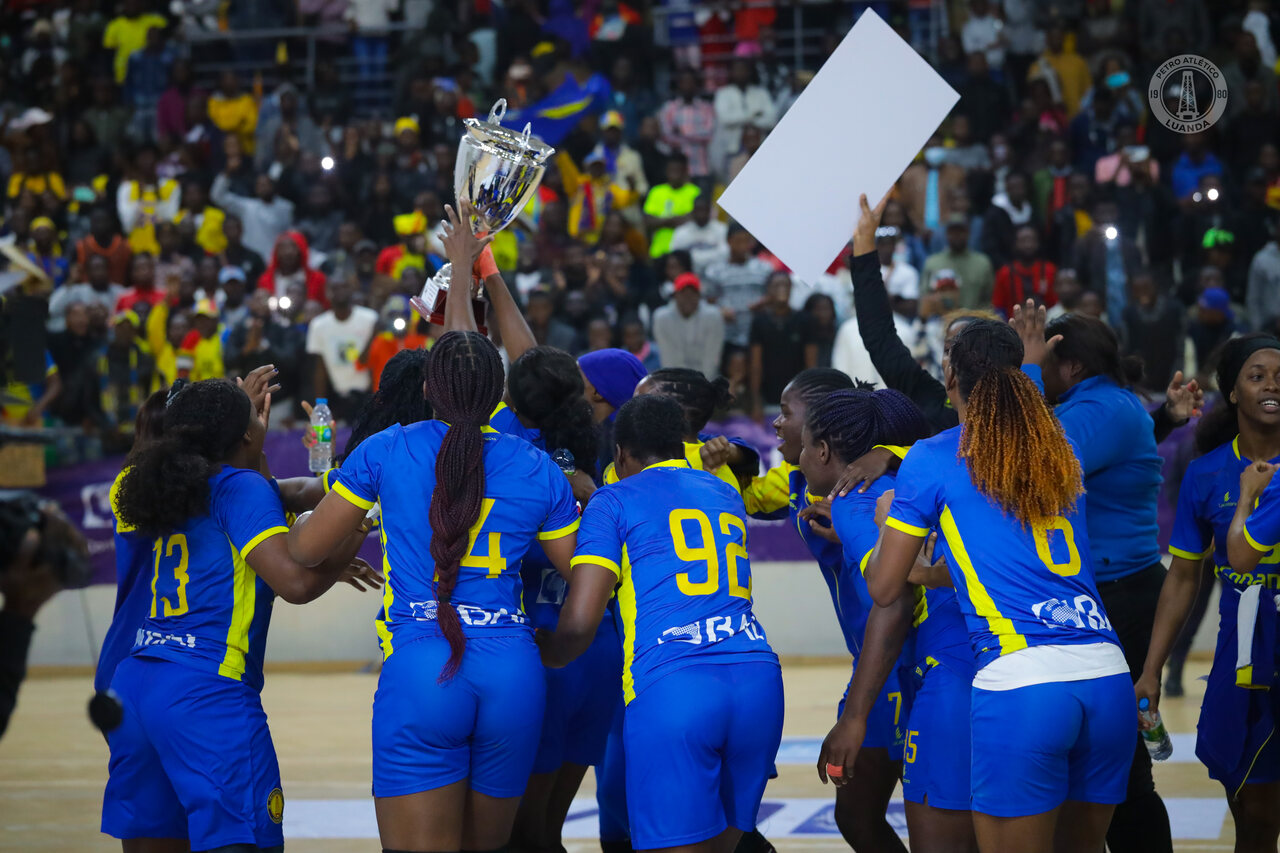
275 805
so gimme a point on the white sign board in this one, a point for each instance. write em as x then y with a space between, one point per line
854 129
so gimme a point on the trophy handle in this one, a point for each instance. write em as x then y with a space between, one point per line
498 111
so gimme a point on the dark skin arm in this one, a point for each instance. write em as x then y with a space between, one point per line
1177 597
886 632
301 494
462 247
1240 552
891 563
295 582
580 616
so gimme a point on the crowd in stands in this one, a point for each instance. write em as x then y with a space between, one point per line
167 228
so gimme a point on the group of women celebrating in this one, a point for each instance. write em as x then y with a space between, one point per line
566 584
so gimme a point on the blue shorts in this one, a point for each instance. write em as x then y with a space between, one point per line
935 757
582 699
700 744
192 759
611 782
482 725
1036 747
885 723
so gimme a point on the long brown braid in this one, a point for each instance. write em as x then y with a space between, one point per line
464 380
1015 449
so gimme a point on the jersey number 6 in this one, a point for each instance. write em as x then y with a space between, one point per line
708 552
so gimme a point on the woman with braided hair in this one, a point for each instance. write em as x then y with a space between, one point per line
1052 704
458 710
936 671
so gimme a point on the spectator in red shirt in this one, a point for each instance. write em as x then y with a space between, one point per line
289 263
1027 276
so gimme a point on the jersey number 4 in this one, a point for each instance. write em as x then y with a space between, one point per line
709 551
169 583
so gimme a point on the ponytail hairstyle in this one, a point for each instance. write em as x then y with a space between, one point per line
167 483
852 422
815 383
398 400
699 396
1221 423
1090 342
150 420
464 384
546 387
1015 449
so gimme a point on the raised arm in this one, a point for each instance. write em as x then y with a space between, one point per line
462 248
893 361
1247 546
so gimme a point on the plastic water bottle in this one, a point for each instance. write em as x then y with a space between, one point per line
1157 737
321 457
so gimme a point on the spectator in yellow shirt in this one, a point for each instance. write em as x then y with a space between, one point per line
207 218
35 179
201 355
127 34
592 196
233 111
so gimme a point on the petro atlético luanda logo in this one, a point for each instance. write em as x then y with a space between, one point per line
1187 93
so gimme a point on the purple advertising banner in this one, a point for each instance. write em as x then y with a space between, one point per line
83 492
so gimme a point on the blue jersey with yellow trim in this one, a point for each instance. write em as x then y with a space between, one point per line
133 595
1206 504
1262 528
207 608
853 517
1017 586
939 633
505 421
526 498
676 538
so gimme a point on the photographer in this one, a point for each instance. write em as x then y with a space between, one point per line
44 553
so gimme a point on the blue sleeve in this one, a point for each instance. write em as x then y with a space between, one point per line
1036 375
853 517
359 480
602 534
917 494
249 511
1192 534
562 515
1094 432
1262 529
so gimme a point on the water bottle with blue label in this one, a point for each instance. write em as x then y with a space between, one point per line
321 457
1157 737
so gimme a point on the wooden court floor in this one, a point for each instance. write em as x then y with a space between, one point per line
53 764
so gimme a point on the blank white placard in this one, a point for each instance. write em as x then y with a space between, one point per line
854 129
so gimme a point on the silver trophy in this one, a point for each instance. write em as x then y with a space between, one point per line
497 171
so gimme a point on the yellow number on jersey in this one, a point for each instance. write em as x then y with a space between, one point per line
704 553
909 751
1041 533
179 542
494 562
733 552
708 552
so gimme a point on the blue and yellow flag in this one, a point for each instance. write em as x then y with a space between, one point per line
556 115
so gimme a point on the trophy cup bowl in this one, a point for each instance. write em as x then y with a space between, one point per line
497 171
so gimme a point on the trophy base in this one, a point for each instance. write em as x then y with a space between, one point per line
478 307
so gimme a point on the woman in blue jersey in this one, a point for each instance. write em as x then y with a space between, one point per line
700 397
862 803
703 689
1235 736
1087 382
937 667
1052 714
458 711
192 762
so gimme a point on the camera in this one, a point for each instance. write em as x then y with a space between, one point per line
59 549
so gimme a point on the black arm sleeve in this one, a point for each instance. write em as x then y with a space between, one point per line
15 641
892 360
1162 424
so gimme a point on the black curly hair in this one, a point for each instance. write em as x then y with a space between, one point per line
400 398
699 396
168 478
545 386
651 426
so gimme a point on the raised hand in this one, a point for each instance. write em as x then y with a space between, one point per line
460 242
864 233
1183 401
1029 322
